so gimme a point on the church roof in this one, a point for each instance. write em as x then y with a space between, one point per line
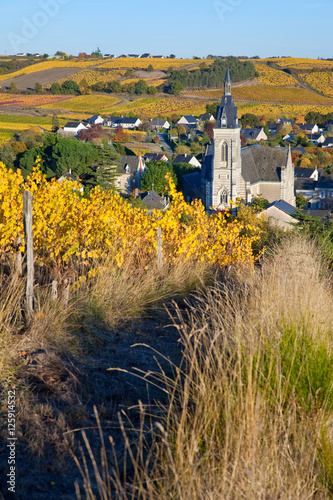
227 113
209 162
263 163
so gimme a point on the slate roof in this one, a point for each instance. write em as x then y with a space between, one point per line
131 161
250 133
153 200
190 119
193 180
325 182
317 213
305 184
303 172
282 205
205 116
328 141
285 120
72 124
158 123
153 157
306 126
131 121
299 149
183 158
263 163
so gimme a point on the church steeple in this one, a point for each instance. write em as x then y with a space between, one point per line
227 83
227 113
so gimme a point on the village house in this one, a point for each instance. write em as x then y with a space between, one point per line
72 129
254 134
158 124
96 120
187 120
190 159
129 170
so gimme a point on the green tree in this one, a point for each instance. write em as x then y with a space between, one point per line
78 156
12 86
7 156
259 203
150 68
55 122
28 160
141 87
55 88
106 161
176 88
301 201
113 87
152 90
69 87
182 169
250 120
38 88
154 176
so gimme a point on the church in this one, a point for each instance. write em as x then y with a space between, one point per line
231 172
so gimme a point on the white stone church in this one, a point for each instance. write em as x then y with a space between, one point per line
232 172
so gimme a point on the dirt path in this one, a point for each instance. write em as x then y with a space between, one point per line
57 399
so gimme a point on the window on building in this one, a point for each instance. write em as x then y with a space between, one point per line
224 198
224 152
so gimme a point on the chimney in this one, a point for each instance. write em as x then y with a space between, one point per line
70 170
136 193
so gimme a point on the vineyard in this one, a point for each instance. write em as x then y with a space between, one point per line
274 111
161 107
87 103
320 81
271 76
91 77
10 124
70 229
160 64
42 66
155 82
294 62
28 101
293 95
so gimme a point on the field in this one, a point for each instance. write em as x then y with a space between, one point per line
292 62
291 95
161 64
271 76
91 77
10 124
5 136
87 103
161 107
321 81
28 101
274 111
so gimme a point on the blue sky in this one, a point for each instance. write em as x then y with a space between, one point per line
182 27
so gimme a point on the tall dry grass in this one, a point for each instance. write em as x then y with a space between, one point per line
250 409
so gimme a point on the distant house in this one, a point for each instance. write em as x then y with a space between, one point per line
187 120
109 56
113 121
125 122
273 128
308 173
309 128
155 157
285 121
153 200
146 55
133 56
190 159
73 128
69 177
129 170
324 193
96 120
280 213
316 138
158 57
328 143
206 116
254 134
306 187
157 124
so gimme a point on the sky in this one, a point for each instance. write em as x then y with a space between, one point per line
185 28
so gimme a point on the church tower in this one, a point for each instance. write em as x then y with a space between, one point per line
222 171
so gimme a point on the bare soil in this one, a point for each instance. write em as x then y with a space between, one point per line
46 77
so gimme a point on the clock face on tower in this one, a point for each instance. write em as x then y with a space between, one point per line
223 121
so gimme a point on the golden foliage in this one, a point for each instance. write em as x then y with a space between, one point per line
271 76
292 95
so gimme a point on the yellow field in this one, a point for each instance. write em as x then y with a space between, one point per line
19 126
91 76
5 136
271 76
274 111
154 82
86 103
321 81
163 107
292 95
33 100
300 63
48 65
160 64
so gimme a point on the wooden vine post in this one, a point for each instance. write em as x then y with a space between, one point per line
29 251
159 249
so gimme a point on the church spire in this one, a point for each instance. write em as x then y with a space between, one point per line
227 114
227 83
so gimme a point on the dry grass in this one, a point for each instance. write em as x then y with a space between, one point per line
250 408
